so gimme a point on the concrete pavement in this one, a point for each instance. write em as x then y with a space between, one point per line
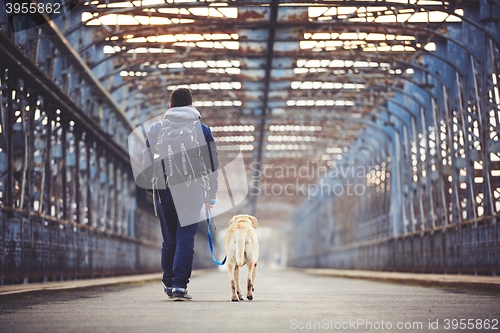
285 301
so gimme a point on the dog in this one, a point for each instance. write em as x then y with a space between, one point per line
242 249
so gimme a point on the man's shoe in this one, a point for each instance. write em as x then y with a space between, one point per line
168 291
180 294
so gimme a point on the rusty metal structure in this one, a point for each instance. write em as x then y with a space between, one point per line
426 169
370 126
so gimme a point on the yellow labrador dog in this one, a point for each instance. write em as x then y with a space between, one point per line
242 249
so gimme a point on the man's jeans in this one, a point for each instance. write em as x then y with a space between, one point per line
178 242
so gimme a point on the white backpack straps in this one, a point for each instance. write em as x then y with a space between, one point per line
170 154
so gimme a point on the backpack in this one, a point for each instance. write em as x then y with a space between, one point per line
179 153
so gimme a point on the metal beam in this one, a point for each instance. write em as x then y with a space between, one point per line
12 56
265 98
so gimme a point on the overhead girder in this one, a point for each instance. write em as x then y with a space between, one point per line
371 91
414 65
186 4
354 73
285 64
393 6
286 46
250 51
350 52
321 117
196 27
359 4
197 75
146 89
368 78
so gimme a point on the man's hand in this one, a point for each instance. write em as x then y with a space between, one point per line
212 204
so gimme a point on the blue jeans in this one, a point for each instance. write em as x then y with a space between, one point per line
178 242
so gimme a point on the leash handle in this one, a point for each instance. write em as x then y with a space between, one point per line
212 203
207 213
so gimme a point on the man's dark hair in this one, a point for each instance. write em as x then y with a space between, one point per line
181 97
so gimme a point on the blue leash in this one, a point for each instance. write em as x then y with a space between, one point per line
207 213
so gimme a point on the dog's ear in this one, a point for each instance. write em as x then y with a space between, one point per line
255 223
233 219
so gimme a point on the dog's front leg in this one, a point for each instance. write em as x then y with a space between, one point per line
232 281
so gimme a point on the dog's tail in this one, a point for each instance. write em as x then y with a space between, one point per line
240 249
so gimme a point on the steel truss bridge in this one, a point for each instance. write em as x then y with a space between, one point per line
390 109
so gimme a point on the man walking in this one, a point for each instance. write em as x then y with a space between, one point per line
179 205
